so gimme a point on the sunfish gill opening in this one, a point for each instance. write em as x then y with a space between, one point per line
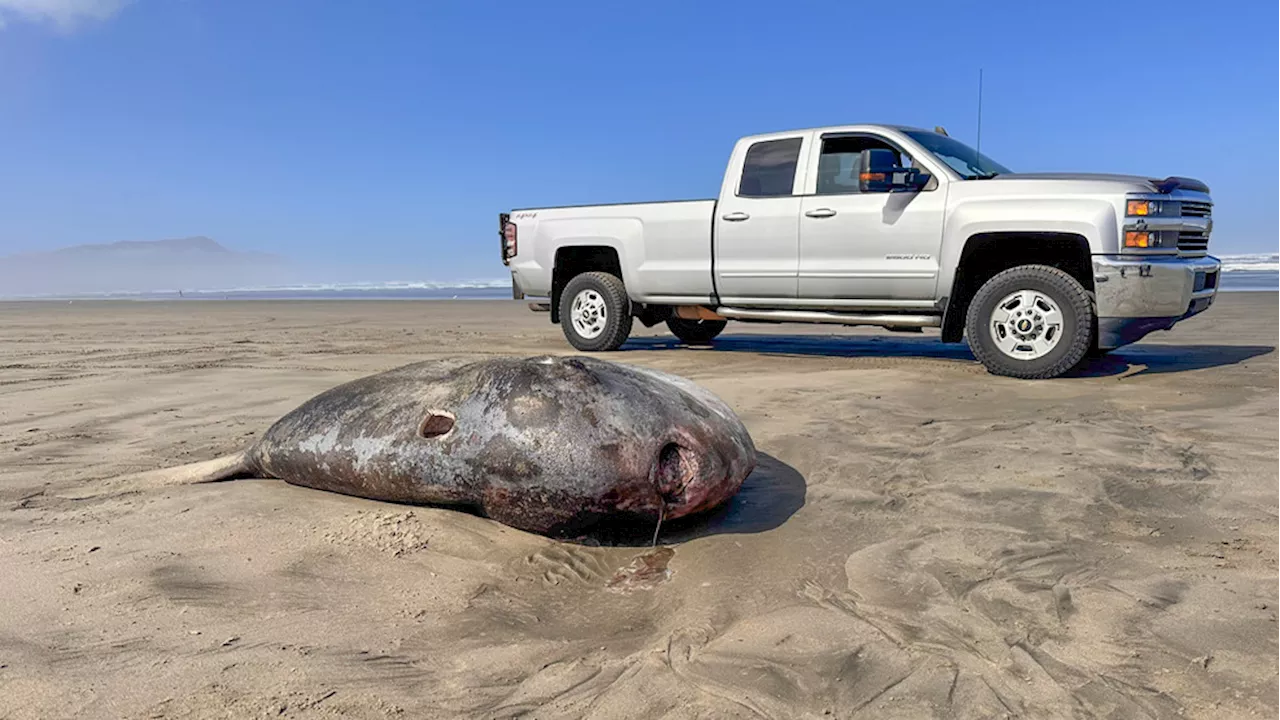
436 424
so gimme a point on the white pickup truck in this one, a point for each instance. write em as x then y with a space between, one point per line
881 225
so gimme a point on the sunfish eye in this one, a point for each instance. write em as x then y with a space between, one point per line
436 424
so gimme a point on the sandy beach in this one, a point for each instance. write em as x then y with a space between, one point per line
921 539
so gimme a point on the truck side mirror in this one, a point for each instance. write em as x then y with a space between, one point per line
879 172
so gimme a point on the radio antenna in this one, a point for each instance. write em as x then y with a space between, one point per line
979 148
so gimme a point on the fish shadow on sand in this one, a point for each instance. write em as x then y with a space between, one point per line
771 494
1154 357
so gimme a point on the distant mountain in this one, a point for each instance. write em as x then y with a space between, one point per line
194 263
189 245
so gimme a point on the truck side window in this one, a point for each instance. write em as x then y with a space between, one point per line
838 162
770 168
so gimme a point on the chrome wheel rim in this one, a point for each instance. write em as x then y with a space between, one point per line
589 314
1026 325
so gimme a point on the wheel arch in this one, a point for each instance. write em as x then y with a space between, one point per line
573 260
987 254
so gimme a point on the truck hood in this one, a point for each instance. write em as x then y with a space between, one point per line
1166 185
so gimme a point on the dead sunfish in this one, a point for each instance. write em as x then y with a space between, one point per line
550 445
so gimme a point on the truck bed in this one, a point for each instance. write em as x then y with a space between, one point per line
664 248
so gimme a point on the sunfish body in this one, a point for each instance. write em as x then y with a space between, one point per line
550 444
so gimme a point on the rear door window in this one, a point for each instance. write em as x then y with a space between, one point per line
769 169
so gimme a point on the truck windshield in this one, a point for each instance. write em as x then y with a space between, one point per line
963 159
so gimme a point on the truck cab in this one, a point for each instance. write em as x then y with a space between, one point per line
882 225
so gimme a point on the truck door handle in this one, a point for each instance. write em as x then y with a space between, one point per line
736 216
820 213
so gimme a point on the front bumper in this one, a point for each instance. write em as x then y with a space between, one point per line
1137 295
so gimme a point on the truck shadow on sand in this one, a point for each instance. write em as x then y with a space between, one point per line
1153 358
1149 358
770 495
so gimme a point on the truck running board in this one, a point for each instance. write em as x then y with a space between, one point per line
819 316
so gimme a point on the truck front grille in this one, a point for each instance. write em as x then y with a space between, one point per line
1193 243
1196 209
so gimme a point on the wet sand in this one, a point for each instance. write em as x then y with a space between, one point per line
921 539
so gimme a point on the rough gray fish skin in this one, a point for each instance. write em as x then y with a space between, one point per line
549 445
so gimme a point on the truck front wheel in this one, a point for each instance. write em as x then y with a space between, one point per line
1030 322
695 332
595 312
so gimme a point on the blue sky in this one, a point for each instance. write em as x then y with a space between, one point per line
390 133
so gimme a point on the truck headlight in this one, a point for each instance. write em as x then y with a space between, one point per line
1143 239
1151 208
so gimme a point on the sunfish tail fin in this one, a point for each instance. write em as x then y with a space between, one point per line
227 467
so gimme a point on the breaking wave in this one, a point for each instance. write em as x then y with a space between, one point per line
469 289
369 286
1260 262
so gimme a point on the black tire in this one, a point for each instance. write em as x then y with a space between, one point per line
695 332
616 307
1077 322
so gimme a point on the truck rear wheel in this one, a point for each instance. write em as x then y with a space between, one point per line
695 332
1030 322
595 312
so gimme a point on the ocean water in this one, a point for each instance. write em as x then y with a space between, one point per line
1249 281
497 290
1240 273
484 290
1250 272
